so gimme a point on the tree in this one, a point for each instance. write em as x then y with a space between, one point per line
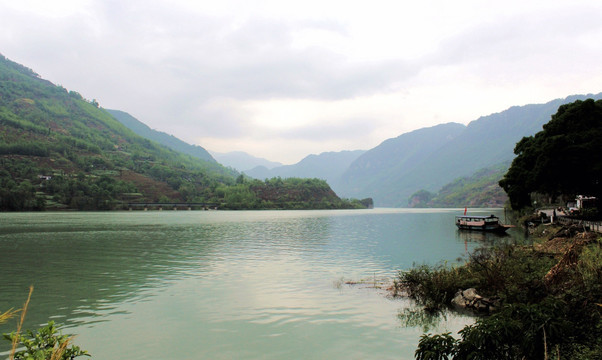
565 158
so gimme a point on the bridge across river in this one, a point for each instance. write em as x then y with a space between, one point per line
172 205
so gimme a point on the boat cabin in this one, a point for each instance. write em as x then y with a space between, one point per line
479 222
476 219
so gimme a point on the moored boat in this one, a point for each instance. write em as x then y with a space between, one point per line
480 223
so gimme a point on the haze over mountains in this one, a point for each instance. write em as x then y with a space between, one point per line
428 158
61 151
424 159
242 161
432 157
39 118
328 166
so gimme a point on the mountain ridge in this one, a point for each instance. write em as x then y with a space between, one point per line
243 161
484 142
61 151
327 165
159 136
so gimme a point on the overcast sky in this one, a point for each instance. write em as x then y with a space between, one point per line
283 79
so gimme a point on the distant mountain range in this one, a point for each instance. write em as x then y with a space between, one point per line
328 166
242 161
430 158
70 139
425 159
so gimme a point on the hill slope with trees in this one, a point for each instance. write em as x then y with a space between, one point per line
388 171
433 157
162 138
480 189
61 151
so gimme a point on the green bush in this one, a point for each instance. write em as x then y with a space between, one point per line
44 344
535 321
436 347
434 287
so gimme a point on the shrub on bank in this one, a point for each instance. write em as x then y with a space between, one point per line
537 319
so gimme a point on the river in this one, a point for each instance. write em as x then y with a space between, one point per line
226 284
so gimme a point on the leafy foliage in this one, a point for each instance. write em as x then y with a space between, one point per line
520 331
47 343
536 319
436 347
564 158
434 287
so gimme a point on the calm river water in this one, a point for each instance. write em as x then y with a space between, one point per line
225 285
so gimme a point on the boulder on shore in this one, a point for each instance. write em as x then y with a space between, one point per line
469 299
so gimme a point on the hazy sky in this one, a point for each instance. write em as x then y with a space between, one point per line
282 79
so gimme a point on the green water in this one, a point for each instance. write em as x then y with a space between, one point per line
225 285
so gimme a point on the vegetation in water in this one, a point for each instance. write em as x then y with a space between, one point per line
548 295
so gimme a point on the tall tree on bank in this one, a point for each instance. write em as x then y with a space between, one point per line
565 158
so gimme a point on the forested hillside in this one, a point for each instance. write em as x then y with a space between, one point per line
388 171
61 151
162 138
480 189
431 158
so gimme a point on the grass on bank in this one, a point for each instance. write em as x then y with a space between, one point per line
549 295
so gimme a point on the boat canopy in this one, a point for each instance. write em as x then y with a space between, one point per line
477 217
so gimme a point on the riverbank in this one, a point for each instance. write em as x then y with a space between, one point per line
547 298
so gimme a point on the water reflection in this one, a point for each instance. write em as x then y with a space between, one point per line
81 270
220 283
419 317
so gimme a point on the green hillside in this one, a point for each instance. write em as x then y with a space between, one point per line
60 151
481 189
388 171
162 138
430 158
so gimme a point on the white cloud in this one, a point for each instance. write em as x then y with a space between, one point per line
286 79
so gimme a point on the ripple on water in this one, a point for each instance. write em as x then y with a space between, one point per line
223 284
